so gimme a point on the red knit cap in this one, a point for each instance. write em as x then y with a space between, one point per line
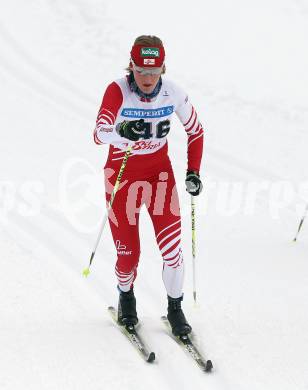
145 56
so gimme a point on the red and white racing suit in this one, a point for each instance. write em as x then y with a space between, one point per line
148 177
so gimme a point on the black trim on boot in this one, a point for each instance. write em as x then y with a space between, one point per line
176 317
127 314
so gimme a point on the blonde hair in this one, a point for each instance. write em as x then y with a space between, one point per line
147 40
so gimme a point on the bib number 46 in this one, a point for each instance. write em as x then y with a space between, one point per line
162 129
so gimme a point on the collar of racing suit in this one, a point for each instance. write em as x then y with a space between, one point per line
134 87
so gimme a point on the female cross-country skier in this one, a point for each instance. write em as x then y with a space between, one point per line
137 110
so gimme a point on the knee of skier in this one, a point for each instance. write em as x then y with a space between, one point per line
126 263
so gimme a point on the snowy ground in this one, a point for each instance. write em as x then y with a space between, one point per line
244 65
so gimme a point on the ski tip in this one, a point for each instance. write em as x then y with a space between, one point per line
151 357
208 366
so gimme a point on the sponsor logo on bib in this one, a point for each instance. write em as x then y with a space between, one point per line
150 113
146 145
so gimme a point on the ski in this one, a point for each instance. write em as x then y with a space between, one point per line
133 336
187 343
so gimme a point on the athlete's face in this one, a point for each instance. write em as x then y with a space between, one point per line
146 83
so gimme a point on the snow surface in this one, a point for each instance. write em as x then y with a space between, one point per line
244 64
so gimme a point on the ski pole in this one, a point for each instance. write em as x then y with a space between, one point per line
86 271
301 222
193 245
